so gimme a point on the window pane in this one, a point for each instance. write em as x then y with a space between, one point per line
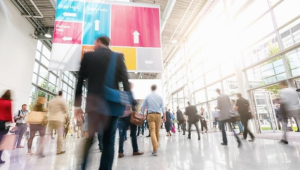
39 45
52 78
42 82
227 68
200 96
286 11
34 78
46 52
45 61
212 76
230 85
37 55
211 91
198 83
36 67
293 59
290 35
268 72
43 72
258 30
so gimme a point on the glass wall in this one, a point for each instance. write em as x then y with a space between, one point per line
46 83
261 38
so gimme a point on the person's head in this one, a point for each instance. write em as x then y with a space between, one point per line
24 106
60 93
153 87
277 105
216 108
6 95
177 107
283 85
202 110
218 91
102 42
39 104
189 103
239 95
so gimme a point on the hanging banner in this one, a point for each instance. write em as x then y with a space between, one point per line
134 30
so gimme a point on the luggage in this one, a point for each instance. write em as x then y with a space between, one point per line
137 118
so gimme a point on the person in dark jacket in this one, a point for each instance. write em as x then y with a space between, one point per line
168 123
278 115
180 119
193 119
93 69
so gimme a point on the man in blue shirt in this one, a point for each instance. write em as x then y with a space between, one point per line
155 107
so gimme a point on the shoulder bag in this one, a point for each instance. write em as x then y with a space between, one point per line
116 100
137 118
35 117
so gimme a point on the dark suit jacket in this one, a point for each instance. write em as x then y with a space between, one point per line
93 70
191 112
179 115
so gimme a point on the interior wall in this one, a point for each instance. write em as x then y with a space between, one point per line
17 54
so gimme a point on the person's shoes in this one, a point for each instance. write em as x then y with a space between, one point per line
205 131
199 138
148 136
202 132
137 153
2 162
62 152
189 137
154 153
121 155
20 146
225 144
284 141
252 140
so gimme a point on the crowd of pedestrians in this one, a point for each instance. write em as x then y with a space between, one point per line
110 107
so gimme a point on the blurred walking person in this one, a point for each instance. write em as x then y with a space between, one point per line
180 119
203 120
193 119
239 123
20 119
125 123
57 113
155 108
289 105
225 116
242 106
40 127
168 123
5 116
94 69
215 115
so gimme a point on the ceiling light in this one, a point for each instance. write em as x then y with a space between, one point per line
174 41
48 34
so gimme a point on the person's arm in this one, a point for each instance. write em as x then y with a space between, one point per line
163 109
78 92
144 105
122 74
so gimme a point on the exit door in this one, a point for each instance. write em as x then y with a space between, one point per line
265 119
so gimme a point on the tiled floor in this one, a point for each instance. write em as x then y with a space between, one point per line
176 152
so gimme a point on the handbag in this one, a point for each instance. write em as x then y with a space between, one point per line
116 100
35 117
8 142
137 118
173 129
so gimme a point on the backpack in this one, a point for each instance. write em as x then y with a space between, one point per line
15 119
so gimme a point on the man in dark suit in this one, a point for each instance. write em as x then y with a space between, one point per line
193 118
93 70
180 120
